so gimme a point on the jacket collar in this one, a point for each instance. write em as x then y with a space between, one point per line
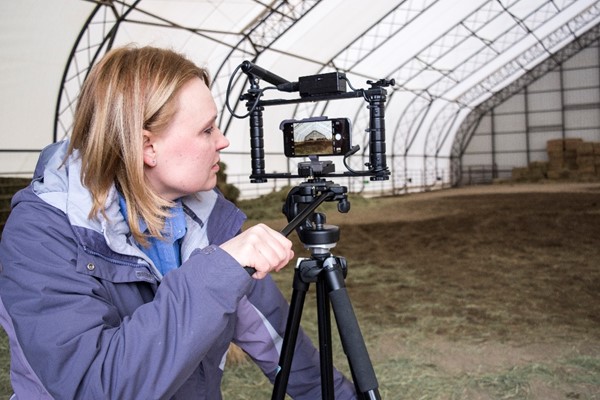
57 182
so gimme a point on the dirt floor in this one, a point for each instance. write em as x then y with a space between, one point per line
479 286
476 293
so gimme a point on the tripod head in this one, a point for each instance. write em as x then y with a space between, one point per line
300 204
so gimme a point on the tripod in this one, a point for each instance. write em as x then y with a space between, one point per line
328 272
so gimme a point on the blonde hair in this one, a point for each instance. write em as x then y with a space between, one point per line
130 90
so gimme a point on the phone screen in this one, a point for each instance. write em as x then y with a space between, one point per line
330 137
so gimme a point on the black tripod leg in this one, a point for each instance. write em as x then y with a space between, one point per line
325 350
352 339
291 335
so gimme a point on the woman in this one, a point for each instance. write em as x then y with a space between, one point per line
122 268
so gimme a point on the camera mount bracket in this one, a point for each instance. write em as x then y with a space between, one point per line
375 97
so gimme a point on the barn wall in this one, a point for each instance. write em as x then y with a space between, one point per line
563 104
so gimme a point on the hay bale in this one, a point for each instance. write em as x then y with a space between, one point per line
585 149
537 170
559 174
570 159
571 163
563 144
556 156
520 173
573 158
586 162
562 153
587 169
539 165
586 176
596 146
572 144
556 163
555 145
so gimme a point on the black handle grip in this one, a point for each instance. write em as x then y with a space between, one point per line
250 270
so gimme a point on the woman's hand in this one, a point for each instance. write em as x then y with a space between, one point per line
261 248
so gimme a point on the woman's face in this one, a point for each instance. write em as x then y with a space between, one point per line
183 159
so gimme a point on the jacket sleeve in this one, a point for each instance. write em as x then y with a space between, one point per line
260 328
78 342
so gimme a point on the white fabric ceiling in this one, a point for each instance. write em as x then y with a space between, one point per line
446 56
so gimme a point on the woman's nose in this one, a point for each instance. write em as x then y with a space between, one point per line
223 142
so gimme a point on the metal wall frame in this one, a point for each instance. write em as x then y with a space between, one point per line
435 110
550 104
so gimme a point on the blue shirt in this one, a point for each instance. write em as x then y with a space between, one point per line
165 253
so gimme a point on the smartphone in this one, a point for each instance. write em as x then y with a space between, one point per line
316 136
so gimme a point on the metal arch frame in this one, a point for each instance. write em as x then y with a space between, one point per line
427 62
469 125
541 48
401 143
432 143
351 55
259 39
107 15
520 62
98 17
343 60
261 35
94 52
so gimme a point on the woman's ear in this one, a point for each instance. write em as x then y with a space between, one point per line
149 149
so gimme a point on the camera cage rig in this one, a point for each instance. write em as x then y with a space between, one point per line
322 268
315 88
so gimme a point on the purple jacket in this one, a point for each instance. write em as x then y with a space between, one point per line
89 316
